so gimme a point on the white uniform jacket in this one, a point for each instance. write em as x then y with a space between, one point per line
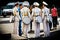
45 12
25 12
16 13
36 12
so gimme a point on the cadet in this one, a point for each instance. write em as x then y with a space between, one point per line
36 16
25 17
45 17
16 19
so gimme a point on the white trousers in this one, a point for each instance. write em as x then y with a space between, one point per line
16 27
37 29
25 29
46 28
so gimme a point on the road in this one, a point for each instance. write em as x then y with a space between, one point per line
6 27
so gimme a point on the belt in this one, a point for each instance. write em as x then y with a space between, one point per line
37 15
25 14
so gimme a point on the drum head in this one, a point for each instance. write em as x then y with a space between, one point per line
26 20
38 19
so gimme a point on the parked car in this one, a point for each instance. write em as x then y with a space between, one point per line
58 10
8 9
0 12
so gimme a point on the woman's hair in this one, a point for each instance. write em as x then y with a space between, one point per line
16 4
53 6
20 4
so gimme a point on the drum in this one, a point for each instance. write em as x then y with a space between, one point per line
26 20
38 19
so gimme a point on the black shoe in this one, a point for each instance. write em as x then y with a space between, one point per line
31 31
55 28
20 34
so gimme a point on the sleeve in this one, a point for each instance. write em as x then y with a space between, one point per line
14 11
32 12
50 18
56 12
48 11
29 13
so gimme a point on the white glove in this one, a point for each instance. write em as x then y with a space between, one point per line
48 19
11 18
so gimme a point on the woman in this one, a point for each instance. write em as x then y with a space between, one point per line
25 18
16 18
36 16
54 16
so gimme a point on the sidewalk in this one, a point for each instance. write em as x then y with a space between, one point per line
30 35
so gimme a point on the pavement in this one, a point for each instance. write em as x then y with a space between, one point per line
6 27
53 36
32 35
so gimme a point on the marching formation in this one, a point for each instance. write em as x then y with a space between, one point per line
26 14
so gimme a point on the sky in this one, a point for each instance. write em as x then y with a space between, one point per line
50 2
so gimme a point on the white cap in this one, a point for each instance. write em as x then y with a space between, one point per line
36 3
16 3
26 3
45 3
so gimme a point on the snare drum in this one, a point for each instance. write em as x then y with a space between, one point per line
26 20
38 19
